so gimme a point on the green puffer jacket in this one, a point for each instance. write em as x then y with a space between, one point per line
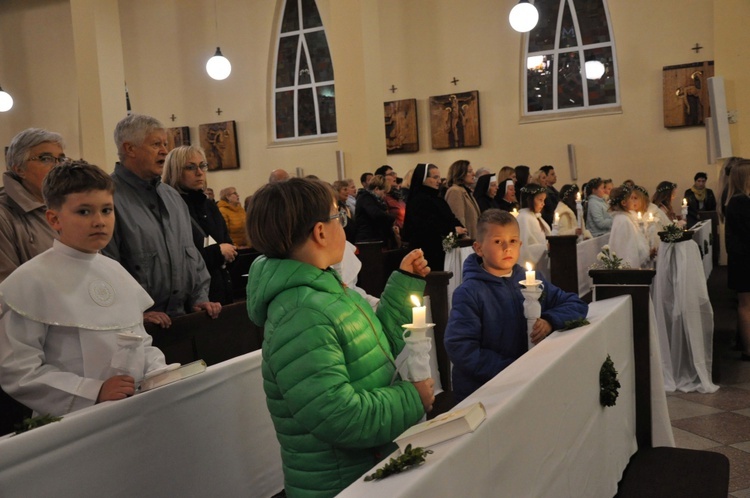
328 363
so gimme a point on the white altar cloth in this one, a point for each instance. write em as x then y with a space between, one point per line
586 252
208 435
703 237
546 434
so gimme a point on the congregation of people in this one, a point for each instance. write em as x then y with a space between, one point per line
88 258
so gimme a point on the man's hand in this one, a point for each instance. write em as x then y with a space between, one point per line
213 309
157 317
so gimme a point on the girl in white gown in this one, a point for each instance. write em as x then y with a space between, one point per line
565 212
626 239
534 229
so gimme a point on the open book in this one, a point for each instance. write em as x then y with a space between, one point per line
172 374
443 427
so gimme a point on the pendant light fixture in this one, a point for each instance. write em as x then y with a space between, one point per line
218 67
6 101
523 17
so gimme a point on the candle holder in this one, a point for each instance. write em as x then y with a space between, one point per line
418 347
532 308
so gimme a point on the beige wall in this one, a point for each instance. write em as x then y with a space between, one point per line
416 45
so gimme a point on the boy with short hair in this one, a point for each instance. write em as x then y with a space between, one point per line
71 322
487 329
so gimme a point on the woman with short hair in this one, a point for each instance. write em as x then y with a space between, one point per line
234 216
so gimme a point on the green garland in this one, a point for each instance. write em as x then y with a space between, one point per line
34 422
410 458
608 383
574 324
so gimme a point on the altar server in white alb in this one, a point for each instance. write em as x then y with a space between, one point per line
71 325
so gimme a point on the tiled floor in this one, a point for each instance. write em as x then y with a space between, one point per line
720 421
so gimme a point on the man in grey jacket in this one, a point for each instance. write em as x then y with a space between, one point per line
24 231
153 236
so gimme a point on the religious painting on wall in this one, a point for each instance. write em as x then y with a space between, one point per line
454 120
401 132
177 137
219 140
686 94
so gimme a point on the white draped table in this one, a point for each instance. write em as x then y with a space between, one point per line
703 237
208 435
546 434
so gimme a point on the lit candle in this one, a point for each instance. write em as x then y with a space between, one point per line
514 212
530 274
640 216
557 218
578 197
684 202
650 217
418 313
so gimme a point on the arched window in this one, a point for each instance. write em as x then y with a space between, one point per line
304 94
570 63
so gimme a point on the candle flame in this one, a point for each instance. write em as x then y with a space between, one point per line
528 266
415 300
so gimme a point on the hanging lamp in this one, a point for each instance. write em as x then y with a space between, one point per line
523 17
218 67
6 101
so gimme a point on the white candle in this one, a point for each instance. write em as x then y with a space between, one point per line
640 216
514 212
578 197
418 313
684 202
650 217
530 274
557 218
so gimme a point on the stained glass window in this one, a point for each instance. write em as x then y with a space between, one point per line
305 96
570 61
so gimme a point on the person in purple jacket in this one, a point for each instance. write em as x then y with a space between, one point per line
487 329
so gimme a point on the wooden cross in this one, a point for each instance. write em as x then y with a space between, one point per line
697 48
455 81
173 117
219 111
393 88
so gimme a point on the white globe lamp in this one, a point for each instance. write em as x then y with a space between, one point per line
6 101
218 67
523 17
594 70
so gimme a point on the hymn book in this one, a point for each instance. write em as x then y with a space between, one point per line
169 376
443 427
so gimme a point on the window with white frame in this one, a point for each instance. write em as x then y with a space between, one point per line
570 62
304 93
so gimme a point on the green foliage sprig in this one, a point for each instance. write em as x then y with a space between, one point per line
608 383
608 260
574 324
409 459
34 422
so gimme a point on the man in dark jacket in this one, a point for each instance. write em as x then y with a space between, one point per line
699 198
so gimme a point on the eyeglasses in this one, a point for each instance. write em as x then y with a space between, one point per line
341 215
48 159
192 167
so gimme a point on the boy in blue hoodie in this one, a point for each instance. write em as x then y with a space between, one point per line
487 329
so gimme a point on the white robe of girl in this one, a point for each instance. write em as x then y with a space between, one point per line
627 240
534 231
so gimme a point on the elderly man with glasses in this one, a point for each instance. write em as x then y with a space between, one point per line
24 232
153 236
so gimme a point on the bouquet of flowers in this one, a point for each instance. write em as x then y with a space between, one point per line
674 233
450 242
608 260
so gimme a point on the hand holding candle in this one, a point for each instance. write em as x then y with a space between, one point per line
530 275
418 313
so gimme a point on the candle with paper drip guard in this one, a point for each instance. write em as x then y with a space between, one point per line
416 367
532 289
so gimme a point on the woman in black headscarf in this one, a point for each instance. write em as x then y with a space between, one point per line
485 192
428 217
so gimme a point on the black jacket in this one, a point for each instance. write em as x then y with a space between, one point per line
428 219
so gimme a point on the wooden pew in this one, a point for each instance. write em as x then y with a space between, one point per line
238 272
563 262
197 336
714 217
661 471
